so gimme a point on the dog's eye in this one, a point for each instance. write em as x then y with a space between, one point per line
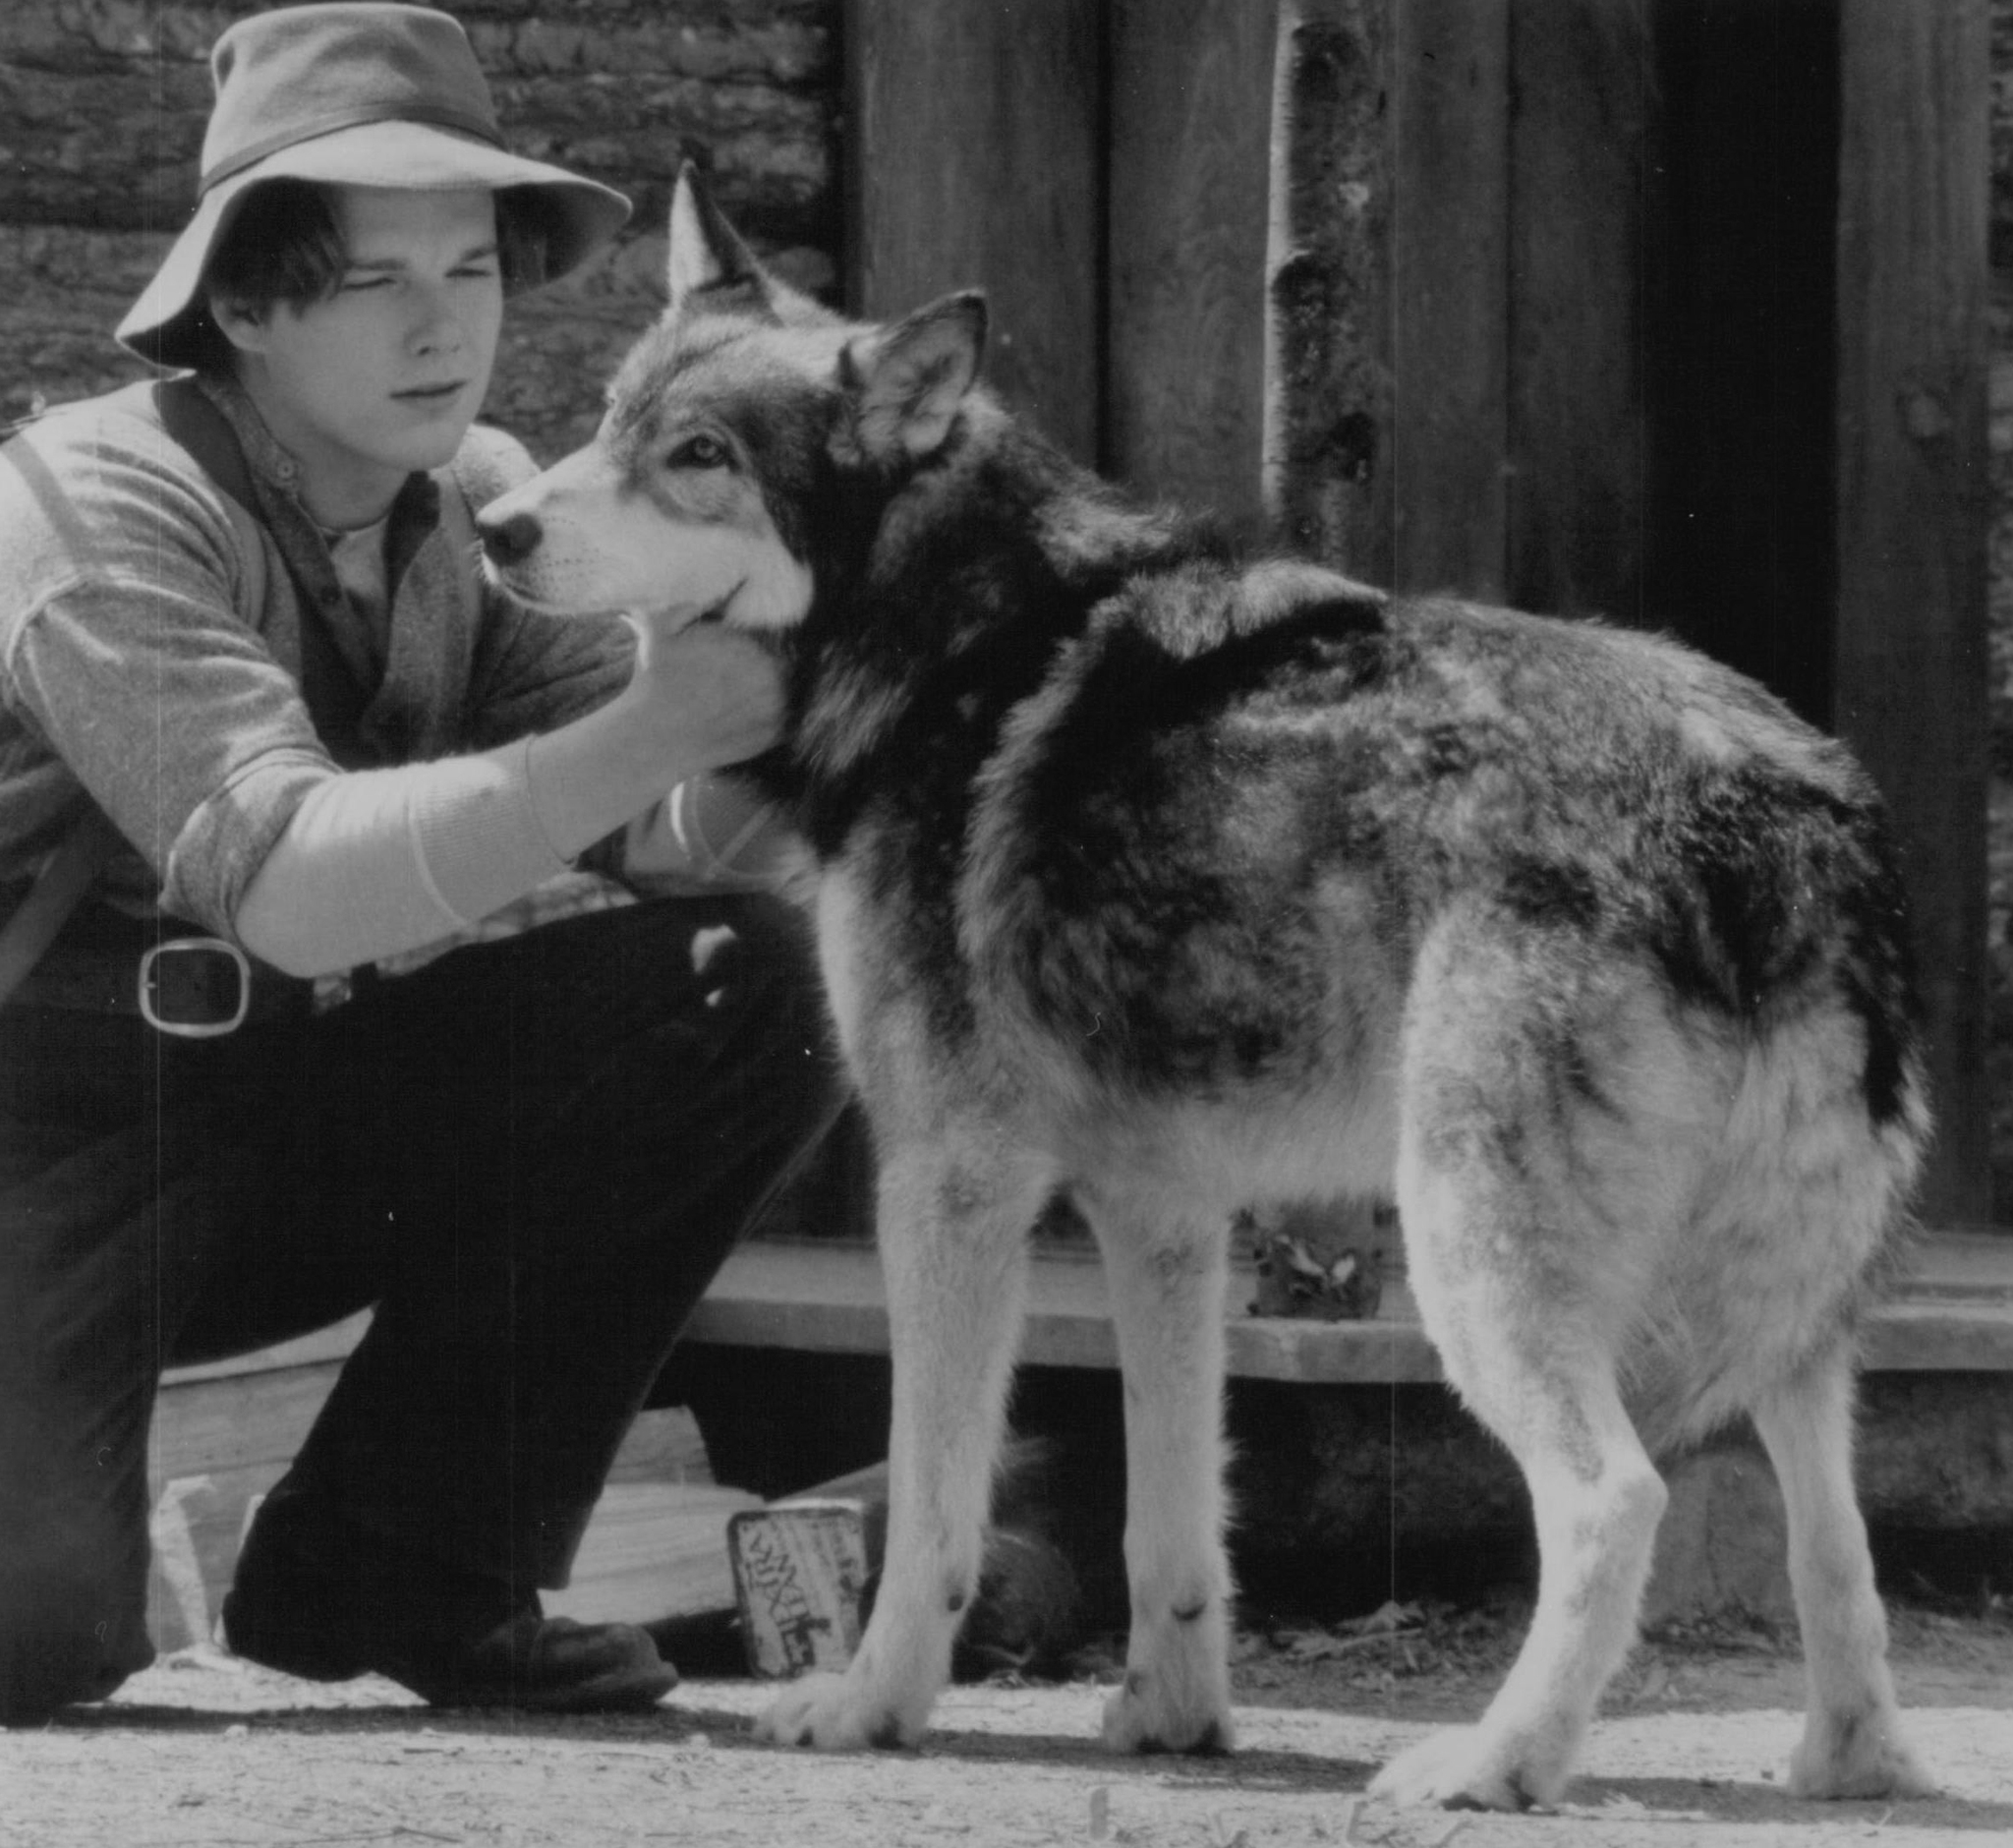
699 452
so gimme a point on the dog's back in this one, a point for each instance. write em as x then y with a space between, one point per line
1263 842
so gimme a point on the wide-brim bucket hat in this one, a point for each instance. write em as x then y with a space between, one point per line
356 93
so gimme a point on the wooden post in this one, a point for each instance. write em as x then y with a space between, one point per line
1455 401
1577 436
1190 106
1911 665
974 161
1328 476
1450 230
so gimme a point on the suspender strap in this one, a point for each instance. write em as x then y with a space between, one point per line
66 876
59 889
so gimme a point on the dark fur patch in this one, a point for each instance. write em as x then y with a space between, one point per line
1763 870
944 609
1552 892
1180 938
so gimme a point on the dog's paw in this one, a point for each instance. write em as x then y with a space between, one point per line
1465 1768
1146 1714
1861 1757
825 1711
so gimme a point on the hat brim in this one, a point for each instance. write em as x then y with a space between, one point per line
581 214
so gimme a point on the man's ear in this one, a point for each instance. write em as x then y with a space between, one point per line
908 380
241 323
707 253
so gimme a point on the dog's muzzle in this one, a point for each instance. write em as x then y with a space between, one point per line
509 541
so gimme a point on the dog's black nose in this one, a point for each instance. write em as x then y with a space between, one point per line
511 540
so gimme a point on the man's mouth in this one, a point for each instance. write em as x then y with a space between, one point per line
432 394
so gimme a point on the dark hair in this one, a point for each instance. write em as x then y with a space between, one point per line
285 243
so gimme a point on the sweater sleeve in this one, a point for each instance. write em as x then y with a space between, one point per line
379 862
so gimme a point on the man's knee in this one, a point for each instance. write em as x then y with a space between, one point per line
757 967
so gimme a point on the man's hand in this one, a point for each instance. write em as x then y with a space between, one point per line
699 700
716 692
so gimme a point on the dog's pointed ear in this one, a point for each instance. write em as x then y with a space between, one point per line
706 251
908 380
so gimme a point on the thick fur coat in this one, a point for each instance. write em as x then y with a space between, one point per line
1178 882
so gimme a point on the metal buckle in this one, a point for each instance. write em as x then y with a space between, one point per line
180 984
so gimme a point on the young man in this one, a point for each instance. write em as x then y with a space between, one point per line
240 623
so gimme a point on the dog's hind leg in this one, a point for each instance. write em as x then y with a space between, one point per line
1852 1745
1524 1187
1166 1279
1596 1499
954 1222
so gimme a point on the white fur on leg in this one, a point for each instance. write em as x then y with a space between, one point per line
1594 1543
1167 1305
954 1226
1539 1370
1852 1743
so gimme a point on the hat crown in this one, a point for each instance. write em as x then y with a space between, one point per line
297 72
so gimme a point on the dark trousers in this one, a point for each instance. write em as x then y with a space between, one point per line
530 1155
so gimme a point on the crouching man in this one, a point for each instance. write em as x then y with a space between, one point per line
256 705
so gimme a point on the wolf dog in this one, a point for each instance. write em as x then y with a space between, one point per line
1172 881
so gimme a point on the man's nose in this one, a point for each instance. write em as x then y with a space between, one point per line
436 327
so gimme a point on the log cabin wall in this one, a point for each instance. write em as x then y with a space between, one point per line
102 104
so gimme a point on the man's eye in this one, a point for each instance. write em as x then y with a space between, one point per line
354 284
699 452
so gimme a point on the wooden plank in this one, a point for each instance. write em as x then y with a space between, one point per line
1189 130
1953 1311
236 1422
974 161
321 1343
1959 1337
196 1527
1911 666
653 1550
1327 468
258 1415
1449 277
1958 1266
1583 80
827 1297
664 1445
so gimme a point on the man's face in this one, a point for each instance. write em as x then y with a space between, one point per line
386 374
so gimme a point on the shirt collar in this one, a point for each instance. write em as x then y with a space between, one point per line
415 509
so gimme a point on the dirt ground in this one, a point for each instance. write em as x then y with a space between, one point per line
204 1750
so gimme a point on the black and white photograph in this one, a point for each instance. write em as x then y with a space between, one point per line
1007 923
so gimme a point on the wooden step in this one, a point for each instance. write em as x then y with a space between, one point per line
1954 1313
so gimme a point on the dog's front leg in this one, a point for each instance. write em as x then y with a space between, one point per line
1167 1276
953 1224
